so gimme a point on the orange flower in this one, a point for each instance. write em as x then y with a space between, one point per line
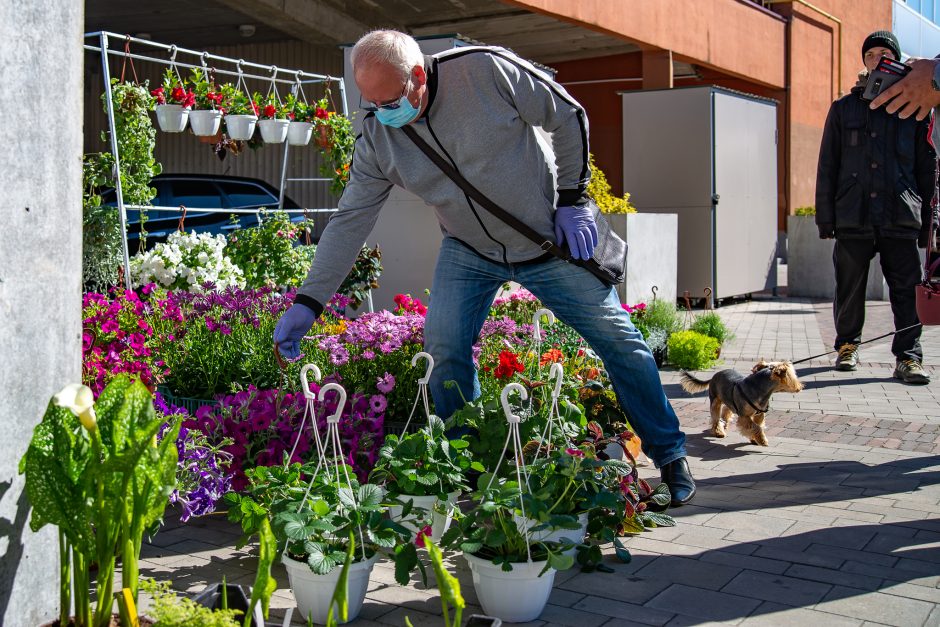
551 356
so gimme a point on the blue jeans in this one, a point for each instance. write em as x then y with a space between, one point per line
464 286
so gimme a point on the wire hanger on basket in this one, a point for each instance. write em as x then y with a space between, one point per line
422 393
557 373
522 477
309 411
537 330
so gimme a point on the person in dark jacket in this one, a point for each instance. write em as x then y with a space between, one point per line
874 187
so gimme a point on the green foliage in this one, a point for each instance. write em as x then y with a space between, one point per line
691 350
805 211
364 276
489 529
448 586
265 584
170 610
424 463
136 139
599 190
315 524
660 314
711 324
336 147
267 254
103 485
102 252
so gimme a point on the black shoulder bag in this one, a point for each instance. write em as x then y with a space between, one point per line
609 261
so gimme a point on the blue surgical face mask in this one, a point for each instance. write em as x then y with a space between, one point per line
399 116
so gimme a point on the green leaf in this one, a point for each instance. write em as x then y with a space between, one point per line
265 584
320 562
406 559
321 507
427 478
659 519
560 562
622 553
471 547
370 495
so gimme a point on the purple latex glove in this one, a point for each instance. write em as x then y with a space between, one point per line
291 328
576 226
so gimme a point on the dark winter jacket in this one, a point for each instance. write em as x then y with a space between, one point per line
876 171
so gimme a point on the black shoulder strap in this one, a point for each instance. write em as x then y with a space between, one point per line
482 199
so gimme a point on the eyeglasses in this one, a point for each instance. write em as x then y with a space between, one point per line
372 107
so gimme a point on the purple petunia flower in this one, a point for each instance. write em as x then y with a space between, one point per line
378 403
385 383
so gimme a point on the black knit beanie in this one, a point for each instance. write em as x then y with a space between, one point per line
885 39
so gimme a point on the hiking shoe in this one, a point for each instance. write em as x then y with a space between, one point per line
910 371
848 357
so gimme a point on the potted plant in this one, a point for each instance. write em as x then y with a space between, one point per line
427 471
513 573
274 122
564 488
95 470
206 115
241 115
316 521
711 324
173 102
300 129
335 138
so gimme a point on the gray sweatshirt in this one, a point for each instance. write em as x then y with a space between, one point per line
483 106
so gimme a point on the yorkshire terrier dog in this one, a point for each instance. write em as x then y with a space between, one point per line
732 394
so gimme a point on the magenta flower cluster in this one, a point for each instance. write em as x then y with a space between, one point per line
264 426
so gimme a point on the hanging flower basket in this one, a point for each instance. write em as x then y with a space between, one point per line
205 122
441 513
516 596
299 133
172 118
273 131
314 592
240 127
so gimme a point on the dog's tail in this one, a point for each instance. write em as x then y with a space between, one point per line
692 385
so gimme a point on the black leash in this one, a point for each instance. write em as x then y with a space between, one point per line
874 339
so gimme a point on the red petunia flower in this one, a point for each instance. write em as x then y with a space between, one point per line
422 534
270 111
322 113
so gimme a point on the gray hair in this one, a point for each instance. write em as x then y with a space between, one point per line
390 47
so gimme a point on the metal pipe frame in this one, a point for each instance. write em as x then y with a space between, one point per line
103 48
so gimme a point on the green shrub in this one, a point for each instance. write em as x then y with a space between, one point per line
804 211
660 314
691 350
267 254
169 610
712 325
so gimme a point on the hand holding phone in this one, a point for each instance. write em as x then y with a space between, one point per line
886 74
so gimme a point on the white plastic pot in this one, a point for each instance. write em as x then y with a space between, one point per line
441 513
299 133
314 592
555 535
172 118
516 596
273 131
240 127
205 122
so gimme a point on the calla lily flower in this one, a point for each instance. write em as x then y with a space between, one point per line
80 401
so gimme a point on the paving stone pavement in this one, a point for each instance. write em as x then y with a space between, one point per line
837 522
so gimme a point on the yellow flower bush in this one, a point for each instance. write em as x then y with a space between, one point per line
599 190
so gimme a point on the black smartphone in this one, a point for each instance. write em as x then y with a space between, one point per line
887 73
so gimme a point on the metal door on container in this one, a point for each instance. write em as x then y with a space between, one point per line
745 158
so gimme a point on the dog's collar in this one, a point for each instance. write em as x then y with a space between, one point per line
737 387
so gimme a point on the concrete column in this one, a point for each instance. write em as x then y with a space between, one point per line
40 270
657 69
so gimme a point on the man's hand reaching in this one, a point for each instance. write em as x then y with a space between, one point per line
914 94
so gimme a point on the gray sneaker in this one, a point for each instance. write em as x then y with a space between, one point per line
910 371
848 357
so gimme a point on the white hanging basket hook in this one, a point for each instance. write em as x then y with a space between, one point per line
334 387
504 400
304 382
537 322
427 373
556 372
